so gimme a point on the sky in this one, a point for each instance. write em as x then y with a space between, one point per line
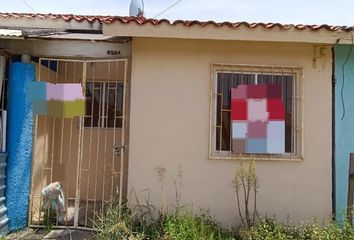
333 12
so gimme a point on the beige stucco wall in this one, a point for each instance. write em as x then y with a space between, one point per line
169 128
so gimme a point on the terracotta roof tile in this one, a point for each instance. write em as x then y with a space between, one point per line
186 23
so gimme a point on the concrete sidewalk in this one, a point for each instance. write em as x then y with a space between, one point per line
57 234
69 234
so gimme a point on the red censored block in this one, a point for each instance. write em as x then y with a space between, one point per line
274 91
239 109
276 109
257 91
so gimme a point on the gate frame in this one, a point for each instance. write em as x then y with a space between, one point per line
122 148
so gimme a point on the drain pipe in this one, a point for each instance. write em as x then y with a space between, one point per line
333 136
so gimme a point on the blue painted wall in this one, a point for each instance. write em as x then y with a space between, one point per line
344 129
19 142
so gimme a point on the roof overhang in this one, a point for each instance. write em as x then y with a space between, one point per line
48 23
103 28
10 34
242 33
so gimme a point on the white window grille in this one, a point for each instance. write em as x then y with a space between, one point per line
227 76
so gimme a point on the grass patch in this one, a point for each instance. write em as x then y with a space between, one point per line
182 224
123 223
269 229
185 225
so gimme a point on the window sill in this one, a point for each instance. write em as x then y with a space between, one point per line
257 157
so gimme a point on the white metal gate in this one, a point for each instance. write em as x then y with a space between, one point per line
85 154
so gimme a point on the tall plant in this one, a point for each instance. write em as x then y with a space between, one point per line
245 183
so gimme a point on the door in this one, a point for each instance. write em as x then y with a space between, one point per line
86 154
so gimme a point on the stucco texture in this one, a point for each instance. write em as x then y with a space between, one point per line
169 130
19 141
344 140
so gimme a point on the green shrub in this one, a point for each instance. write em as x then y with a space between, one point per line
147 223
186 226
123 223
326 231
116 224
268 229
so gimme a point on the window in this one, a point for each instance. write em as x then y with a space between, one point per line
104 104
226 77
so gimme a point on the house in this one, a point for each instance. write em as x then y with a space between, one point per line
158 117
343 108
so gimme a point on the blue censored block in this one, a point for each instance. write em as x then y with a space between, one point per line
37 91
40 107
256 145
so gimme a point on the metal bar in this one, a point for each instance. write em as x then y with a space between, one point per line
256 65
34 157
229 110
293 114
84 60
62 120
114 128
69 161
123 135
47 169
44 144
106 60
105 137
53 135
90 145
98 146
212 131
283 158
53 132
103 105
221 107
79 160
84 77
70 146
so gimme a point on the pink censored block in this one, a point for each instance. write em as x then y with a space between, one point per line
53 93
257 129
64 92
257 110
239 92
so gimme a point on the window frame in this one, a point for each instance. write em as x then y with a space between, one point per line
105 83
297 110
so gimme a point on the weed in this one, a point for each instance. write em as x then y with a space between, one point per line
245 183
